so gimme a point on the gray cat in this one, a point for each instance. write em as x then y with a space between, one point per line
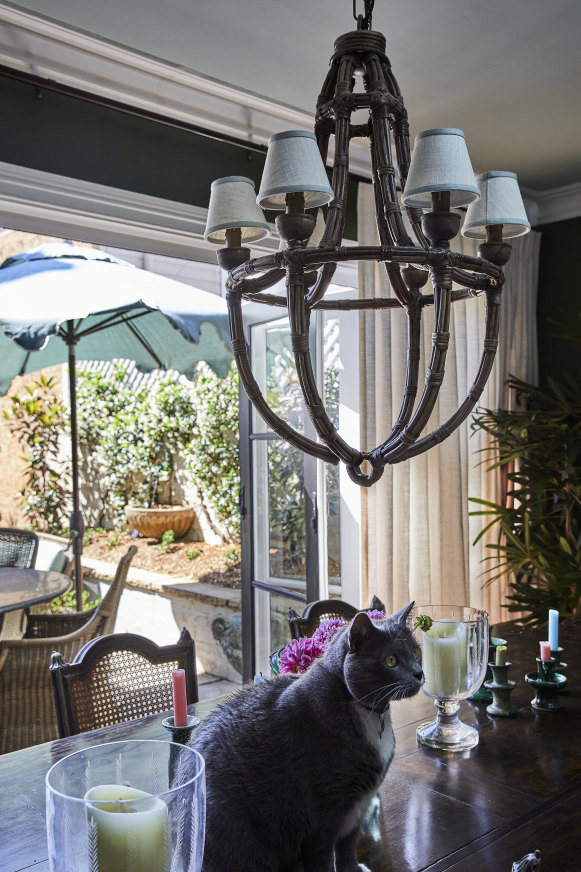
292 764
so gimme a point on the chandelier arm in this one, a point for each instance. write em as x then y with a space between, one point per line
358 305
299 332
321 286
389 452
256 285
490 346
254 394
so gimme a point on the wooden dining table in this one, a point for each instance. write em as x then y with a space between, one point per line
473 811
21 588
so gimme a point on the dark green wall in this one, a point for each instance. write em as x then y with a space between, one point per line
559 298
65 134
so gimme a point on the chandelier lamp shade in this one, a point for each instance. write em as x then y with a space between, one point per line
432 184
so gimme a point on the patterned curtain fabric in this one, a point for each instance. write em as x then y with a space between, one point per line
417 532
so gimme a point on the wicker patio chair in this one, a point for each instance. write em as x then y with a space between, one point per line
119 678
26 699
45 626
316 613
18 547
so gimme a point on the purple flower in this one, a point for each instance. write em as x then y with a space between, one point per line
376 614
298 655
325 632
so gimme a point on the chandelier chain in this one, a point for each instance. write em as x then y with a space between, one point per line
363 21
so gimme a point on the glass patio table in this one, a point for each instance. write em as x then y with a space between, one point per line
20 588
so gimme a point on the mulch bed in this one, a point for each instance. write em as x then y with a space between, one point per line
199 561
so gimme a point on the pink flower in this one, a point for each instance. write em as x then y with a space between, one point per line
376 614
325 632
298 655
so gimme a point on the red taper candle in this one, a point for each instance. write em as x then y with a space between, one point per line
180 704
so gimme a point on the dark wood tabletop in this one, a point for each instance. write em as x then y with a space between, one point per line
474 811
20 588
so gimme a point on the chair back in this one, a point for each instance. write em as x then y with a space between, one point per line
26 696
17 547
316 613
102 616
118 678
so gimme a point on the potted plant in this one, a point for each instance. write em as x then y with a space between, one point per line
538 447
165 431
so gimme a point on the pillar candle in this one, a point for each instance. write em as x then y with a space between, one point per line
553 629
500 655
180 705
124 835
545 651
445 657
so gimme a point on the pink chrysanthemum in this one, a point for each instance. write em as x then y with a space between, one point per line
298 656
376 614
325 632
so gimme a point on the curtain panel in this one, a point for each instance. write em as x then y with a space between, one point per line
416 526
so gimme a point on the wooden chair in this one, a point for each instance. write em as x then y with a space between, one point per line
119 678
26 700
316 613
18 547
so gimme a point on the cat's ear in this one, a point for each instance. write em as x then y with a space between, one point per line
376 605
360 631
402 616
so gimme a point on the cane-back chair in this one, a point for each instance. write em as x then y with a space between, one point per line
26 700
119 678
316 613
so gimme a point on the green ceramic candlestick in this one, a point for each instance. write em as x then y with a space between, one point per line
547 683
501 687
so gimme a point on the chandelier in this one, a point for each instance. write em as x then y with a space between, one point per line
435 181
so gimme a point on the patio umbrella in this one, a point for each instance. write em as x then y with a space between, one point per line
60 302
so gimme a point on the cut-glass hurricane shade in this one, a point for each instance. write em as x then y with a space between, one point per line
293 165
440 162
500 203
233 205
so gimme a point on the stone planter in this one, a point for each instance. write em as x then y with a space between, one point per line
154 522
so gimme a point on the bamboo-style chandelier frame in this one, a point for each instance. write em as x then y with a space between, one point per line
408 265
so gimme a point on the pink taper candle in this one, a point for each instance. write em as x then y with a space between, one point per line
545 651
180 705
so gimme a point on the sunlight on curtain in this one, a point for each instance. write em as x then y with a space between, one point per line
417 532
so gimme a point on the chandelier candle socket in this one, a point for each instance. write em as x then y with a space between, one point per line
438 177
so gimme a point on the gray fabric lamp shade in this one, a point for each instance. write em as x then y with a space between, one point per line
293 165
233 205
440 162
500 203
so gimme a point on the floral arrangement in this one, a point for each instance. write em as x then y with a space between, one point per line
298 655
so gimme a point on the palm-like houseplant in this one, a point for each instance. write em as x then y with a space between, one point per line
538 448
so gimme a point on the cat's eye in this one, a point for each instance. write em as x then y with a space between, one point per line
416 653
391 660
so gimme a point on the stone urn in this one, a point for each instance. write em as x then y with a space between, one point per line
155 521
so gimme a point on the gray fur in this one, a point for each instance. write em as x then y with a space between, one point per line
293 763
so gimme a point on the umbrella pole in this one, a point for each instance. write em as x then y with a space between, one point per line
75 519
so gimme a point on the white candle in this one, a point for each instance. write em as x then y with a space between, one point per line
553 629
126 836
445 658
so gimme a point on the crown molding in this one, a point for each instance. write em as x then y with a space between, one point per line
47 49
41 202
557 204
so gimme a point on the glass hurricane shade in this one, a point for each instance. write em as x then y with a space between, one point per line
440 162
293 165
233 205
500 203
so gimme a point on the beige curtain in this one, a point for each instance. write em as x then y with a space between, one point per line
417 532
